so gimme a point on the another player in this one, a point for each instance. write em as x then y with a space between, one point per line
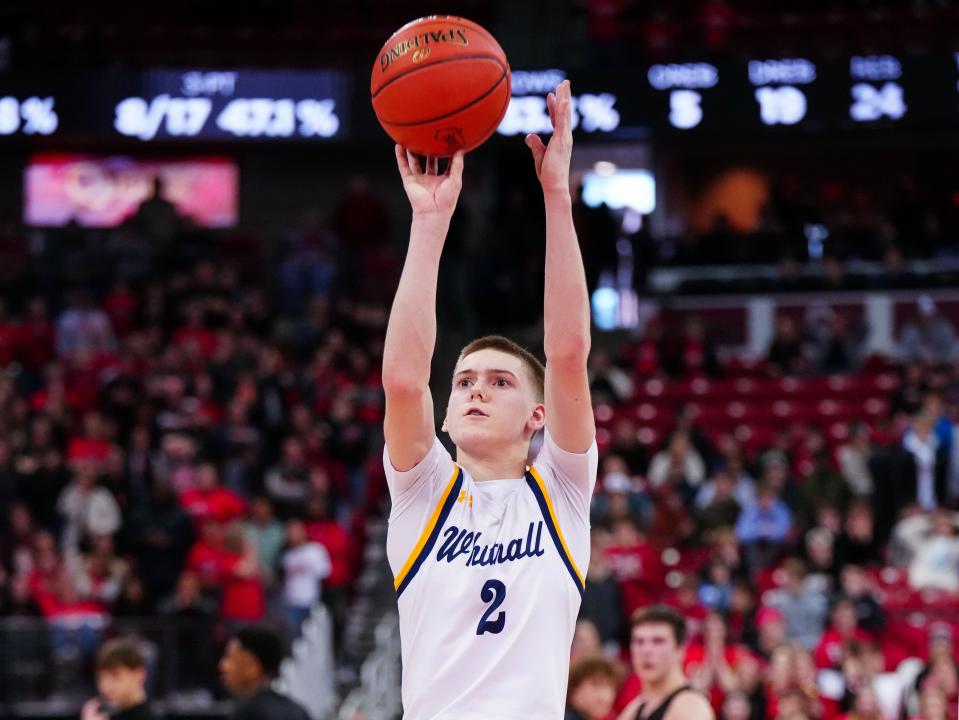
657 645
489 553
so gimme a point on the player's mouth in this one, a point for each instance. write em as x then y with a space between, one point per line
475 412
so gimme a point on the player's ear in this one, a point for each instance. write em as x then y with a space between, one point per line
444 427
537 418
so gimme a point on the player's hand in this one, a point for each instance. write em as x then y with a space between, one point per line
92 710
429 192
552 160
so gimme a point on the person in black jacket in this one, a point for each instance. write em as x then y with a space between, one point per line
248 667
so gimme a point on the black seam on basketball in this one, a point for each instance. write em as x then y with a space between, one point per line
460 109
434 63
488 132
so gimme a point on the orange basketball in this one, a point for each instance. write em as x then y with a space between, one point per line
440 84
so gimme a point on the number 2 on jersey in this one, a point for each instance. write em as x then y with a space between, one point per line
495 592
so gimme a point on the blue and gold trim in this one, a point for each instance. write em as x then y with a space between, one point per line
427 539
536 484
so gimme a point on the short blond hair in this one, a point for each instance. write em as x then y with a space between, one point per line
535 370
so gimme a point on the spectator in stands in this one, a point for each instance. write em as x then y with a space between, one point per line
928 336
822 485
636 564
191 616
98 575
932 705
86 508
785 354
843 628
736 706
717 503
121 680
857 586
858 544
602 600
854 457
83 328
932 542
208 500
266 534
625 444
763 527
160 535
930 457
821 567
711 659
716 589
694 355
593 682
248 667
305 565
803 611
865 706
607 382
241 578
618 496
678 465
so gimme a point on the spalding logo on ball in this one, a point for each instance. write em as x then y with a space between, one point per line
440 84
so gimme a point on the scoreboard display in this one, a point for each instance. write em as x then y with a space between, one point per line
802 93
806 93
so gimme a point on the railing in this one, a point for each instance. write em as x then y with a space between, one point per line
46 667
378 695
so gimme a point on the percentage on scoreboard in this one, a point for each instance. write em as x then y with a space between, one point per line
590 112
32 116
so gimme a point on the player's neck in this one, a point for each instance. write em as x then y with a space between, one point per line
504 466
656 692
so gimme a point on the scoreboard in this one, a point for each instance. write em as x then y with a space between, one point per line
806 93
798 94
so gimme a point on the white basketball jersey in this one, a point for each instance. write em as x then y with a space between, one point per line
489 577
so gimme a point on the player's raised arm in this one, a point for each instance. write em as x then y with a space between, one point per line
569 412
411 331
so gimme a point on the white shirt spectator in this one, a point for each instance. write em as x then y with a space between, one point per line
925 453
87 510
934 548
305 567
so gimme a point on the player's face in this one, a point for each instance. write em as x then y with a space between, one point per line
237 668
594 697
654 651
118 685
491 403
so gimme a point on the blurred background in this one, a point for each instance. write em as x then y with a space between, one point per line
201 230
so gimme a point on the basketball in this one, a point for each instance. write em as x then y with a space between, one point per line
440 84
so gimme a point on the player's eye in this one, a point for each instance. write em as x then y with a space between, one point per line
464 382
501 382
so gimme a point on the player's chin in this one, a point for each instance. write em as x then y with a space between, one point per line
473 437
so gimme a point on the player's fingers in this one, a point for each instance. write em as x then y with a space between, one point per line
402 162
414 163
455 169
551 106
535 144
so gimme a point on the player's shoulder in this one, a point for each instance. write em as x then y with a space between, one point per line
629 712
690 705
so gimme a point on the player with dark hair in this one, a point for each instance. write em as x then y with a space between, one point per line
121 682
249 665
489 550
657 646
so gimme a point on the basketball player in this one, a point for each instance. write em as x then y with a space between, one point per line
489 553
657 646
